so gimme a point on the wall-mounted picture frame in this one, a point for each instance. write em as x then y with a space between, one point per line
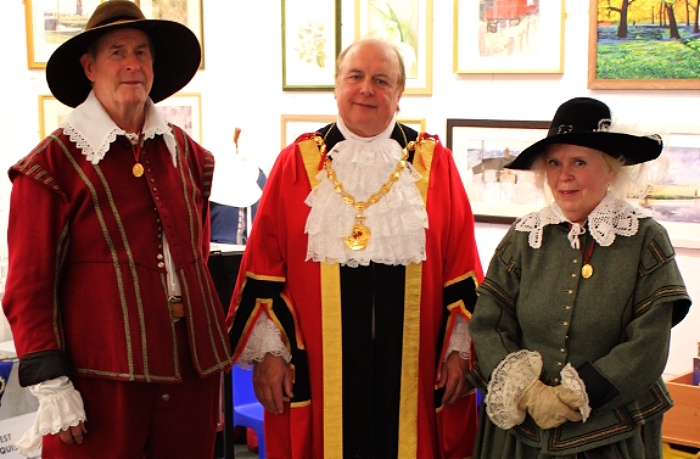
50 23
186 12
310 44
292 126
184 109
481 148
673 197
51 113
519 36
409 25
640 46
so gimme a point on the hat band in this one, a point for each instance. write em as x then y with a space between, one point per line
117 19
603 126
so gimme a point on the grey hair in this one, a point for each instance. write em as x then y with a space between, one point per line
402 68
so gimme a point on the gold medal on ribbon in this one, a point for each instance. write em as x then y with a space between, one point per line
587 271
137 170
359 238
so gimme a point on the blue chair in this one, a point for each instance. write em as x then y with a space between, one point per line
247 410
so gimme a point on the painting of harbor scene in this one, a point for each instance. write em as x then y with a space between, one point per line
52 22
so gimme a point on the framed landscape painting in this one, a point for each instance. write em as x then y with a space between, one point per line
50 23
409 26
517 36
310 44
643 45
481 149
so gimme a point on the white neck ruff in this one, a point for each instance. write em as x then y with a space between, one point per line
610 218
397 222
90 127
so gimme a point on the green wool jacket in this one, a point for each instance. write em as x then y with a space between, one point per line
614 327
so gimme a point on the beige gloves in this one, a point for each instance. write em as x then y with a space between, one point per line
550 406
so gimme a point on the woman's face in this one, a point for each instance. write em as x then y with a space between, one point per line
578 178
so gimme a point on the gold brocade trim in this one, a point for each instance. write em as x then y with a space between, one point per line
262 277
295 318
461 306
331 331
312 156
470 274
408 408
332 339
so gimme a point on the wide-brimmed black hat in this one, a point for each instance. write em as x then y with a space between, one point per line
586 122
176 60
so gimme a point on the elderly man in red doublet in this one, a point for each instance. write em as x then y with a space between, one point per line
115 317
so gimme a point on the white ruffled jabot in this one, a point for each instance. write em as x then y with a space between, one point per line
610 218
397 222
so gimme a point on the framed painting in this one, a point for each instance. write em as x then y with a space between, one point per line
50 23
51 113
633 45
183 109
516 36
292 126
673 196
481 149
409 25
310 44
186 12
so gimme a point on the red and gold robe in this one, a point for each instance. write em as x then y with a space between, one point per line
353 386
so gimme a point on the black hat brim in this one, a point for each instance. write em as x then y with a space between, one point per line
615 144
176 61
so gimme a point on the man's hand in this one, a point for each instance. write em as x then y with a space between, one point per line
453 377
272 380
73 434
545 405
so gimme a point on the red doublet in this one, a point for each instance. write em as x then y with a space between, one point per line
86 264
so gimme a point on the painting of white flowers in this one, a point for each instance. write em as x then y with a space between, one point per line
310 44
508 36
407 24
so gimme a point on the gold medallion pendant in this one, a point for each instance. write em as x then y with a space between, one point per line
137 170
587 271
359 238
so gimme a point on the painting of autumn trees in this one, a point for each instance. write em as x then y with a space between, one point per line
652 44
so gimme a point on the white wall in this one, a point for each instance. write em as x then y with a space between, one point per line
241 86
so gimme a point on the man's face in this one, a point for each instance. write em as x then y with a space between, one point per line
366 90
122 70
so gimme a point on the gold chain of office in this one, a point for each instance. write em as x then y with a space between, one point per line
360 236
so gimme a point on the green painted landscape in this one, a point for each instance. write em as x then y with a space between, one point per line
648 40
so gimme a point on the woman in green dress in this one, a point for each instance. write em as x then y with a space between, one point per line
572 326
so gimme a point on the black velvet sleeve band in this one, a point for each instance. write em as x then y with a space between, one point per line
42 366
600 390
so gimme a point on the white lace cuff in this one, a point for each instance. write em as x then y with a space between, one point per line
460 340
60 407
572 381
265 338
511 378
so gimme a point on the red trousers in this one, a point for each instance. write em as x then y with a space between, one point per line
137 420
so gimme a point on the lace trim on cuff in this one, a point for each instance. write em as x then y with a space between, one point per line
265 338
573 382
511 378
460 340
60 407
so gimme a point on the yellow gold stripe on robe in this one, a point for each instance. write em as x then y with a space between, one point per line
330 328
408 410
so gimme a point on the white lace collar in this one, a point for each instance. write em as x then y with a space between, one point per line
90 127
610 218
397 222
